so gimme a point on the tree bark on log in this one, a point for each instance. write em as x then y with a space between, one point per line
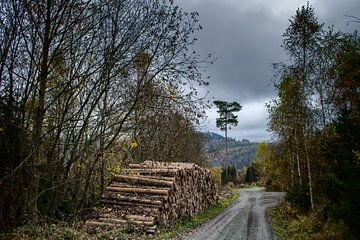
142 180
138 190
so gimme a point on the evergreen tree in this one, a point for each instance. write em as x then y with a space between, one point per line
226 120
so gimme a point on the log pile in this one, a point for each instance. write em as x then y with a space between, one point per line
153 193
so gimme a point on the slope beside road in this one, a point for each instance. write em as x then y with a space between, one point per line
246 219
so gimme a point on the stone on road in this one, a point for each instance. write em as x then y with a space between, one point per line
246 219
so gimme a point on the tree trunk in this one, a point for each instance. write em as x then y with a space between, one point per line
226 150
298 159
32 210
309 176
323 115
292 168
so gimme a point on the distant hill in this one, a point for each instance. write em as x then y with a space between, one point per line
212 136
240 153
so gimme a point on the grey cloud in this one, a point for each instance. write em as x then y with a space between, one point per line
245 36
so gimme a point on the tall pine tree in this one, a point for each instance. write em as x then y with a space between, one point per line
227 119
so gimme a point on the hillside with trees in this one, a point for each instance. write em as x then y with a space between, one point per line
240 153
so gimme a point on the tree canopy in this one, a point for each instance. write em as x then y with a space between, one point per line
227 117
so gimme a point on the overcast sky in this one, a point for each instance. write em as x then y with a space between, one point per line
245 37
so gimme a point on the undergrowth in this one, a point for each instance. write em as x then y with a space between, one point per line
59 231
290 224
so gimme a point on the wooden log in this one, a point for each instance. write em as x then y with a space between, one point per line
177 165
139 190
122 221
170 179
132 210
133 204
125 185
142 180
135 165
139 218
157 172
113 220
92 223
117 184
132 200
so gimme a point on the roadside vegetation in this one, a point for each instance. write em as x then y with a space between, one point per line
289 223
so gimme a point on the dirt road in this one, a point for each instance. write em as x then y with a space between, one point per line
246 219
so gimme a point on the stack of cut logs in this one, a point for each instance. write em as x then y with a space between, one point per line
151 193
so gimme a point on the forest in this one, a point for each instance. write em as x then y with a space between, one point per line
315 122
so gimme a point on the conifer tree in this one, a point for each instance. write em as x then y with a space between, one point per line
226 120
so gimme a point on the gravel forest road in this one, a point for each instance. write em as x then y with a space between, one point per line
246 219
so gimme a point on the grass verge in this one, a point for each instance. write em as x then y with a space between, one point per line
290 224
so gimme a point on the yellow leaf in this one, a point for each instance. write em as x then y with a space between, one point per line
133 145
